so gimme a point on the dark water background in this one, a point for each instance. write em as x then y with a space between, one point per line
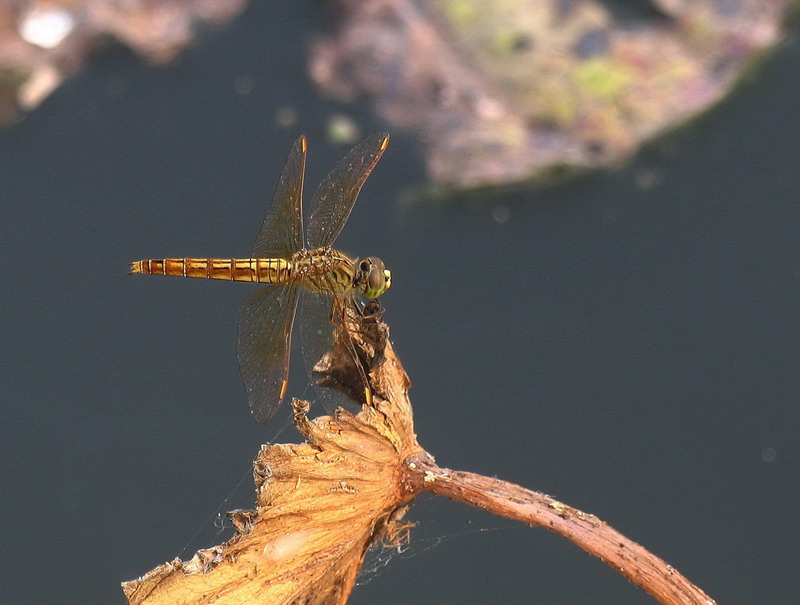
632 351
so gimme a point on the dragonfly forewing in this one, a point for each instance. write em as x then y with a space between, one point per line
281 233
334 198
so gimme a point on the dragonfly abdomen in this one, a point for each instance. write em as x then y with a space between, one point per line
261 270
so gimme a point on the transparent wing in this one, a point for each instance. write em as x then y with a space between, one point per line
336 195
265 336
281 232
328 348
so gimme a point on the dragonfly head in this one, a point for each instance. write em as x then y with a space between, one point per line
372 278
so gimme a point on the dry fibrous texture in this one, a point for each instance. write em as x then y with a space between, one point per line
320 504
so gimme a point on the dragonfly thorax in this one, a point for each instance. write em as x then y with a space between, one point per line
331 270
323 269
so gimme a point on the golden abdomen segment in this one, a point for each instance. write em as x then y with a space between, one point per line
259 270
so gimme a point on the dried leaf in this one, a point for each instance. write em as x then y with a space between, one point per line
319 505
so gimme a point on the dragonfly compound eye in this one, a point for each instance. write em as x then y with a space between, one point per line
375 278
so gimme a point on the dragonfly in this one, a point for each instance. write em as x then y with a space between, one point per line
329 283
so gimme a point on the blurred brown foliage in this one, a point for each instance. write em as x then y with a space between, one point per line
43 42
